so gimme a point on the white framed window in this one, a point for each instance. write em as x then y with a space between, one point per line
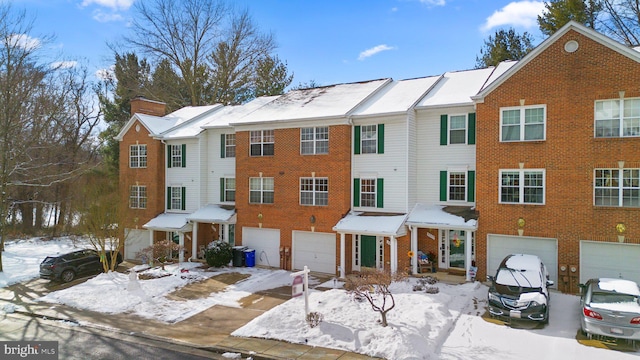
523 123
368 192
228 189
261 190
137 197
229 145
314 191
369 139
177 155
617 187
261 142
617 118
138 156
522 186
314 140
176 198
458 129
457 186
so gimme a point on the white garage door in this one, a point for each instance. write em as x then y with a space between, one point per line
499 246
135 240
613 260
266 243
315 250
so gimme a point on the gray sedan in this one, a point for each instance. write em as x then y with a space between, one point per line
610 308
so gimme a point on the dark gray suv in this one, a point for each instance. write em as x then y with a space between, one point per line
67 267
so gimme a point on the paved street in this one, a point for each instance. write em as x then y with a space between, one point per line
76 342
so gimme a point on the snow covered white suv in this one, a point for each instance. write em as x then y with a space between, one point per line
519 290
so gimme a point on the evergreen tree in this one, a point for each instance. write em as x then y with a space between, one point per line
271 77
504 45
559 12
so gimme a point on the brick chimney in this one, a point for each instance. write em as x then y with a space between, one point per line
141 105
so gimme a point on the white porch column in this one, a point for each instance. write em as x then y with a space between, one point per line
181 243
150 237
194 242
394 254
343 261
414 249
467 252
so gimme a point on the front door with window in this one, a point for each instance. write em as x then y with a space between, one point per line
452 249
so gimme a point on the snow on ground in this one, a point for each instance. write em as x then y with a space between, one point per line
447 325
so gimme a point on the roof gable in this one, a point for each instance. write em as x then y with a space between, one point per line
571 26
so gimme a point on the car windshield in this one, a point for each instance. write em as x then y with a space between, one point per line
612 298
519 278
49 260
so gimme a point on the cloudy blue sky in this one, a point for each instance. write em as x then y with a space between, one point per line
328 41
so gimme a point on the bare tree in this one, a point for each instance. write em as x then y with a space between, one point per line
621 21
374 286
184 32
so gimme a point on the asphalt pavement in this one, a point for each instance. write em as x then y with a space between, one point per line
208 330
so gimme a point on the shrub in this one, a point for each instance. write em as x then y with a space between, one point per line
218 254
314 319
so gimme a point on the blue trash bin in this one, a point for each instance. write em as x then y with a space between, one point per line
250 257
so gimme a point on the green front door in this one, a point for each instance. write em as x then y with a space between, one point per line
368 251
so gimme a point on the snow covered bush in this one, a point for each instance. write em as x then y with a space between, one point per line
314 319
218 253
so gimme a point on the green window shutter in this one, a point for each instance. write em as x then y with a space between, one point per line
471 186
380 193
222 190
356 192
356 140
184 156
168 156
471 131
444 128
184 198
443 185
168 197
222 145
380 138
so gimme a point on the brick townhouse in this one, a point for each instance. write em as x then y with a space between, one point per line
538 156
558 159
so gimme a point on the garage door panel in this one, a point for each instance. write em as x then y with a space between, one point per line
315 250
613 260
135 241
499 246
266 243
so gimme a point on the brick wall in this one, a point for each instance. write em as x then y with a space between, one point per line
568 84
145 106
287 166
152 177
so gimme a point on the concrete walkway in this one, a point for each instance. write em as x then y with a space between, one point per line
208 330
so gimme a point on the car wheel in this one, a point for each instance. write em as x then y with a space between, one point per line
67 275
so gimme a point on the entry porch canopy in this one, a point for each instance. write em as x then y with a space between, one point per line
442 218
171 222
211 214
374 224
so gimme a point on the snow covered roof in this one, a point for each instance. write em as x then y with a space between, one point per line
619 285
435 216
397 97
458 87
372 224
211 213
233 113
169 222
332 101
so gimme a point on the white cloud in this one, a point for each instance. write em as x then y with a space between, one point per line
106 74
104 17
520 14
24 41
113 4
374 50
434 2
64 64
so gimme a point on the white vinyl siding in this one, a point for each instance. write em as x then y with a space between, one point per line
217 166
191 175
390 165
432 157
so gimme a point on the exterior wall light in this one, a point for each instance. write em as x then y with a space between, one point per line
620 229
312 220
260 220
521 224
